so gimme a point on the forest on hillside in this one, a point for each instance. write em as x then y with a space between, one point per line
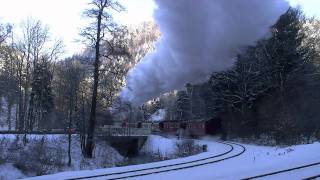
196 79
41 91
271 91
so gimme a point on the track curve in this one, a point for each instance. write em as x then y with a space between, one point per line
189 164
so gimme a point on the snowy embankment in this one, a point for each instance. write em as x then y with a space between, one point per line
47 154
256 160
166 146
157 143
8 171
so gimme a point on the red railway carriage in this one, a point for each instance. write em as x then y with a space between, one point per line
195 128
169 126
191 128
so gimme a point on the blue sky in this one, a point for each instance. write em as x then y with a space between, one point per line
64 16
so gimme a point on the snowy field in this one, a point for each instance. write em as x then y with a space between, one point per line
19 161
13 149
256 160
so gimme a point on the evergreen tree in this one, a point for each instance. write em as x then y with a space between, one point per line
183 106
284 51
265 84
41 94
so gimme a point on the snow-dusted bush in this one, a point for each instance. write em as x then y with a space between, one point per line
104 157
14 149
9 172
36 157
40 158
4 142
187 147
158 148
48 154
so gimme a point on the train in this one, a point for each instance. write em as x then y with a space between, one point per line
191 128
186 128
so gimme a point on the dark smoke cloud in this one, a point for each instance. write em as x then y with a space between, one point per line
198 37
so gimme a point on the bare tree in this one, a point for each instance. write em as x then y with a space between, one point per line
8 80
34 45
5 31
100 31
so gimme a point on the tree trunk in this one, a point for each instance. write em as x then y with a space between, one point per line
83 126
30 114
17 118
69 139
92 121
9 116
20 118
26 93
0 105
69 128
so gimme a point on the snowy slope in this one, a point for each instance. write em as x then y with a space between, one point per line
158 143
8 171
254 161
14 153
166 144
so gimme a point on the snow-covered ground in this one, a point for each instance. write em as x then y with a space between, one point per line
105 156
16 154
8 171
165 146
254 161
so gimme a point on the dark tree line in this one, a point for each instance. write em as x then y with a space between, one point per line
273 88
26 75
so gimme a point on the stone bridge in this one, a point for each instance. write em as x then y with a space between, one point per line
126 140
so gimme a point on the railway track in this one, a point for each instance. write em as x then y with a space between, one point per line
287 170
312 177
171 167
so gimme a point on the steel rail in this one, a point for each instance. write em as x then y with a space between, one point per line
312 177
283 171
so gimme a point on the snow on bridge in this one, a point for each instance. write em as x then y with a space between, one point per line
122 131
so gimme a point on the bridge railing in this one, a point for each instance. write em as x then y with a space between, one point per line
120 131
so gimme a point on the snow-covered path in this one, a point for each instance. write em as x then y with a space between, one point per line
256 160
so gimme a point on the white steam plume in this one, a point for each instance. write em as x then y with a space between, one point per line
197 38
